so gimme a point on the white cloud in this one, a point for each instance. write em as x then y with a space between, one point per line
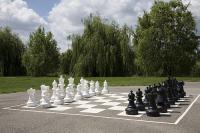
65 17
17 15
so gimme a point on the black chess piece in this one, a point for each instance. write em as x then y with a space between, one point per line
146 101
139 104
182 93
152 109
170 96
161 100
131 108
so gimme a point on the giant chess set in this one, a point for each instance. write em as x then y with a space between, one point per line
165 102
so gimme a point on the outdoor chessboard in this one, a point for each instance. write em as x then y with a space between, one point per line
112 106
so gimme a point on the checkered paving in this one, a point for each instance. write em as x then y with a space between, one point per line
103 105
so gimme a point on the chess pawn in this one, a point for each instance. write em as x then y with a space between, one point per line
146 101
54 84
82 83
131 108
86 90
105 88
92 91
62 90
45 101
71 80
71 89
152 109
61 80
31 99
78 95
97 89
58 100
68 98
161 100
139 104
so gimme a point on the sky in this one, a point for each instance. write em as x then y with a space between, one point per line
63 17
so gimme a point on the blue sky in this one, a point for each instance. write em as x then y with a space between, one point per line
63 17
42 7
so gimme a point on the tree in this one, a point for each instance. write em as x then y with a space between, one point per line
65 61
102 50
11 51
42 55
165 41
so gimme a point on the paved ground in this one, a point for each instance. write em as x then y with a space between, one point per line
30 122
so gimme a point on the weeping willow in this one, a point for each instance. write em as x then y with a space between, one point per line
102 50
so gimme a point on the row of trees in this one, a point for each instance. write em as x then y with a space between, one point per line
164 43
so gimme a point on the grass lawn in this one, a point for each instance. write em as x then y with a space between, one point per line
18 84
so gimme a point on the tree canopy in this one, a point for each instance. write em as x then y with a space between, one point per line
11 51
165 39
102 50
42 55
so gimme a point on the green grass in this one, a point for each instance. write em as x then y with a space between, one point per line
18 84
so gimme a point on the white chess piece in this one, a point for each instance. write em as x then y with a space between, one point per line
54 84
45 100
92 91
78 95
86 90
61 80
71 85
68 98
31 99
82 83
105 88
97 88
62 90
58 99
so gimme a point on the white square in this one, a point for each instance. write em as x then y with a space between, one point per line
126 102
81 102
86 106
165 114
117 96
102 100
60 108
97 98
124 93
121 108
124 114
111 103
122 99
92 110
29 107
174 106
176 103
110 94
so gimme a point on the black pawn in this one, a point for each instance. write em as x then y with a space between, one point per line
161 100
131 109
146 101
152 109
139 104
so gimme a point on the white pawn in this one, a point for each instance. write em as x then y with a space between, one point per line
78 95
58 100
92 91
82 83
105 88
62 90
54 84
31 99
97 89
45 101
86 90
68 98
